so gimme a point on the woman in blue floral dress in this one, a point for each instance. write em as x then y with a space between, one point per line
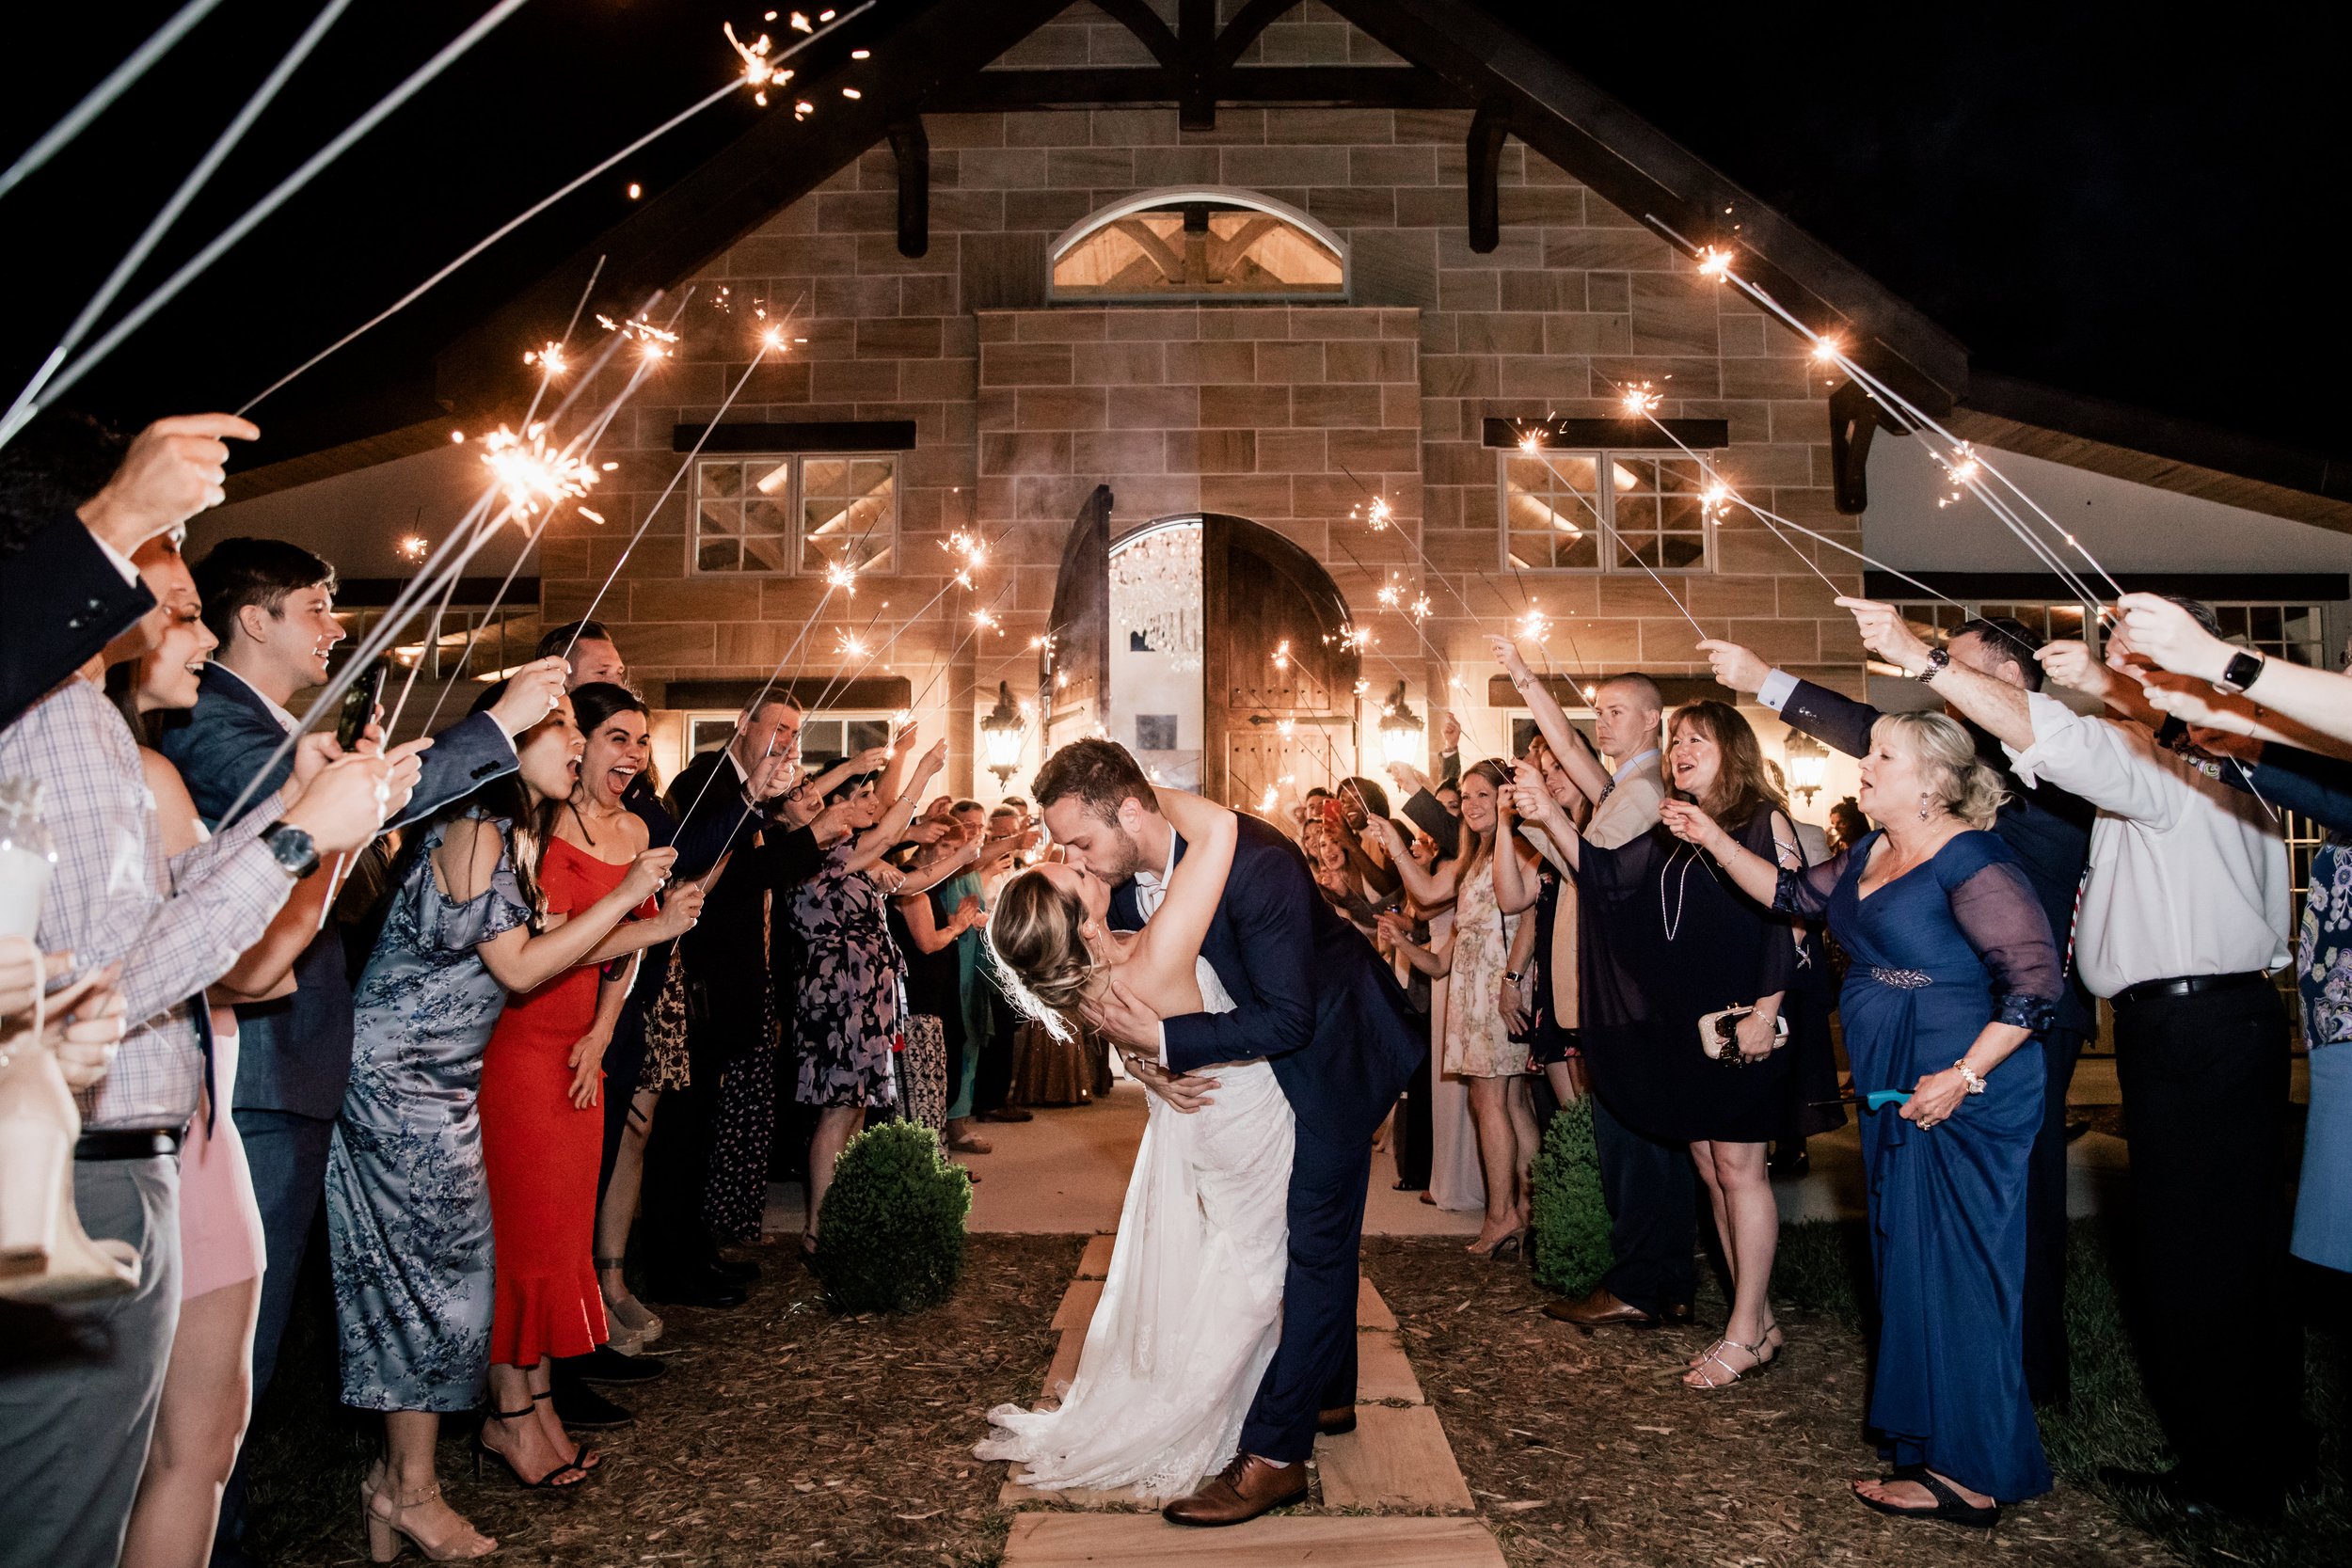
852 976
2323 969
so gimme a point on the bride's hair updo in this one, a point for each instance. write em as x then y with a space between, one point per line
1033 935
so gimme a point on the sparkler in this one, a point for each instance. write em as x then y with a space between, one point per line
534 474
1640 401
597 171
413 547
170 214
549 358
1980 475
95 101
279 194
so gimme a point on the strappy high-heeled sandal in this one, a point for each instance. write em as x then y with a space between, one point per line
1761 1363
386 1519
549 1481
582 1455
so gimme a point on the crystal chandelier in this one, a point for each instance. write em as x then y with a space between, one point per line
1155 589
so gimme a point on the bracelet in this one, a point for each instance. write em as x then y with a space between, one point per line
1969 1076
1511 976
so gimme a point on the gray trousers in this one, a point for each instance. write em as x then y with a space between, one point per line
73 1427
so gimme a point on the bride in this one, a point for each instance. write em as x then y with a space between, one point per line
1191 1306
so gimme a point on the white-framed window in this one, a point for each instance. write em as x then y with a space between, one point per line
794 516
827 736
1604 512
2294 632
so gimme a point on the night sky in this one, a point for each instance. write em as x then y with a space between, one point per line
2091 197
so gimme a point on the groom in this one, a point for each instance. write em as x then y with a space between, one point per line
1313 998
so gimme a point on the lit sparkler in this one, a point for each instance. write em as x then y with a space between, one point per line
548 357
759 72
1534 627
1282 654
413 547
1420 610
534 474
1715 263
850 645
1642 400
983 621
841 575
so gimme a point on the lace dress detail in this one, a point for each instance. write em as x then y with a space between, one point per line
1191 1306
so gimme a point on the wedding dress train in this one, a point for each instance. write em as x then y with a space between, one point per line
1191 1306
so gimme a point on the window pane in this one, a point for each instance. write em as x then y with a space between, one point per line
849 511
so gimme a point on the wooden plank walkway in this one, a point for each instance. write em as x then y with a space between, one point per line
1396 1471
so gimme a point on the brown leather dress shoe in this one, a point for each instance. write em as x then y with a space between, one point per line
1336 1423
1601 1309
1240 1492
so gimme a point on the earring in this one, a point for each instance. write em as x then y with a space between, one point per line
1923 805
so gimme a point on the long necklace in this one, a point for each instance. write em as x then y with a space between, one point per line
1673 922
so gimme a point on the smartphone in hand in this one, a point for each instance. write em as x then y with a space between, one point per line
359 702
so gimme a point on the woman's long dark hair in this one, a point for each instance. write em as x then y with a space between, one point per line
599 701
1741 787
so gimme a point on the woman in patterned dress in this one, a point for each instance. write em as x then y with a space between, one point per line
1474 958
852 977
408 1211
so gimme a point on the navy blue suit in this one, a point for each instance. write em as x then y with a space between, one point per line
1313 999
2049 832
293 1054
62 602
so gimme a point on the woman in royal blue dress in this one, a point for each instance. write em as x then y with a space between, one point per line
1953 970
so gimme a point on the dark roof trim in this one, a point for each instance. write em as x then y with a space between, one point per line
887 694
1613 434
1384 87
1568 691
807 436
2119 424
2038 587
377 592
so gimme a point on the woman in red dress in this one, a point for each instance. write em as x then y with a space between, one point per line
542 1132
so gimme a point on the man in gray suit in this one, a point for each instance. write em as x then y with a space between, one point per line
271 606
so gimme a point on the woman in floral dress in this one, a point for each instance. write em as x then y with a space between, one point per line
852 977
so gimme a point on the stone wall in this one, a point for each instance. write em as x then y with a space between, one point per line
1019 408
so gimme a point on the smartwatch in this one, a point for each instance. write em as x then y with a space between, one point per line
2244 669
291 847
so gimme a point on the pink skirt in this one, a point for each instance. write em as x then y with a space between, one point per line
220 1224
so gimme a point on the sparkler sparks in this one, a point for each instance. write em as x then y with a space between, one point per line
1642 400
534 474
850 645
986 622
1376 512
1420 610
1282 654
1392 593
841 575
548 357
1532 440
1961 471
414 546
1534 627
1715 263
758 70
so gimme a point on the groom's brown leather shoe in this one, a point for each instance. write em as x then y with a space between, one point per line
1336 1423
1241 1491
1601 1309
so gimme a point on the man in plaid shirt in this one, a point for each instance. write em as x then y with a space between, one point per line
73 1434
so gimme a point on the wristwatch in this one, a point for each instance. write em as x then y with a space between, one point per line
2244 669
291 847
1938 661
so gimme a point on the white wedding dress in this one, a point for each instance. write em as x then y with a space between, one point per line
1192 1303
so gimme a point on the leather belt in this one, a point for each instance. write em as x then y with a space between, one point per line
2190 985
139 1144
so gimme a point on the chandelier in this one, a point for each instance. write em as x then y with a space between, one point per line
1155 591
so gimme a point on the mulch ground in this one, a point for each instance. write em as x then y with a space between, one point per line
781 1435
1589 1449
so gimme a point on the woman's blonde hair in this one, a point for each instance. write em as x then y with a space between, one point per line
1947 758
1039 954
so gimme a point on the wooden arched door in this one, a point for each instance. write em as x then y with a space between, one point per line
1074 666
1277 675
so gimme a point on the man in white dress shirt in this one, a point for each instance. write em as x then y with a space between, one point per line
2183 906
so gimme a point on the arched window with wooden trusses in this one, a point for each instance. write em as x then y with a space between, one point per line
1188 242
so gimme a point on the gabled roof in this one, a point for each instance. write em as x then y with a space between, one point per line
1454 55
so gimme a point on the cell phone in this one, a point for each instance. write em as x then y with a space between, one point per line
360 700
1333 815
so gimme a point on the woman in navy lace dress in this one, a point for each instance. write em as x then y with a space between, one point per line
1953 970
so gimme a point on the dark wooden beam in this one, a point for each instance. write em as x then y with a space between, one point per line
1490 129
378 593
1361 87
1565 689
913 149
1145 23
1853 419
804 436
1610 434
1196 27
1243 29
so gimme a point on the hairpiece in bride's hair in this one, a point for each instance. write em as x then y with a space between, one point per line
1039 954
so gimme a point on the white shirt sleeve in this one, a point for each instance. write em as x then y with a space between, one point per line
121 562
2113 764
1777 688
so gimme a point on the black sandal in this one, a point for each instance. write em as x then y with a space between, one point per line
1951 1506
550 1482
584 1459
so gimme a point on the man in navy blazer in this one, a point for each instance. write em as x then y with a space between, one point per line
271 604
1314 1000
